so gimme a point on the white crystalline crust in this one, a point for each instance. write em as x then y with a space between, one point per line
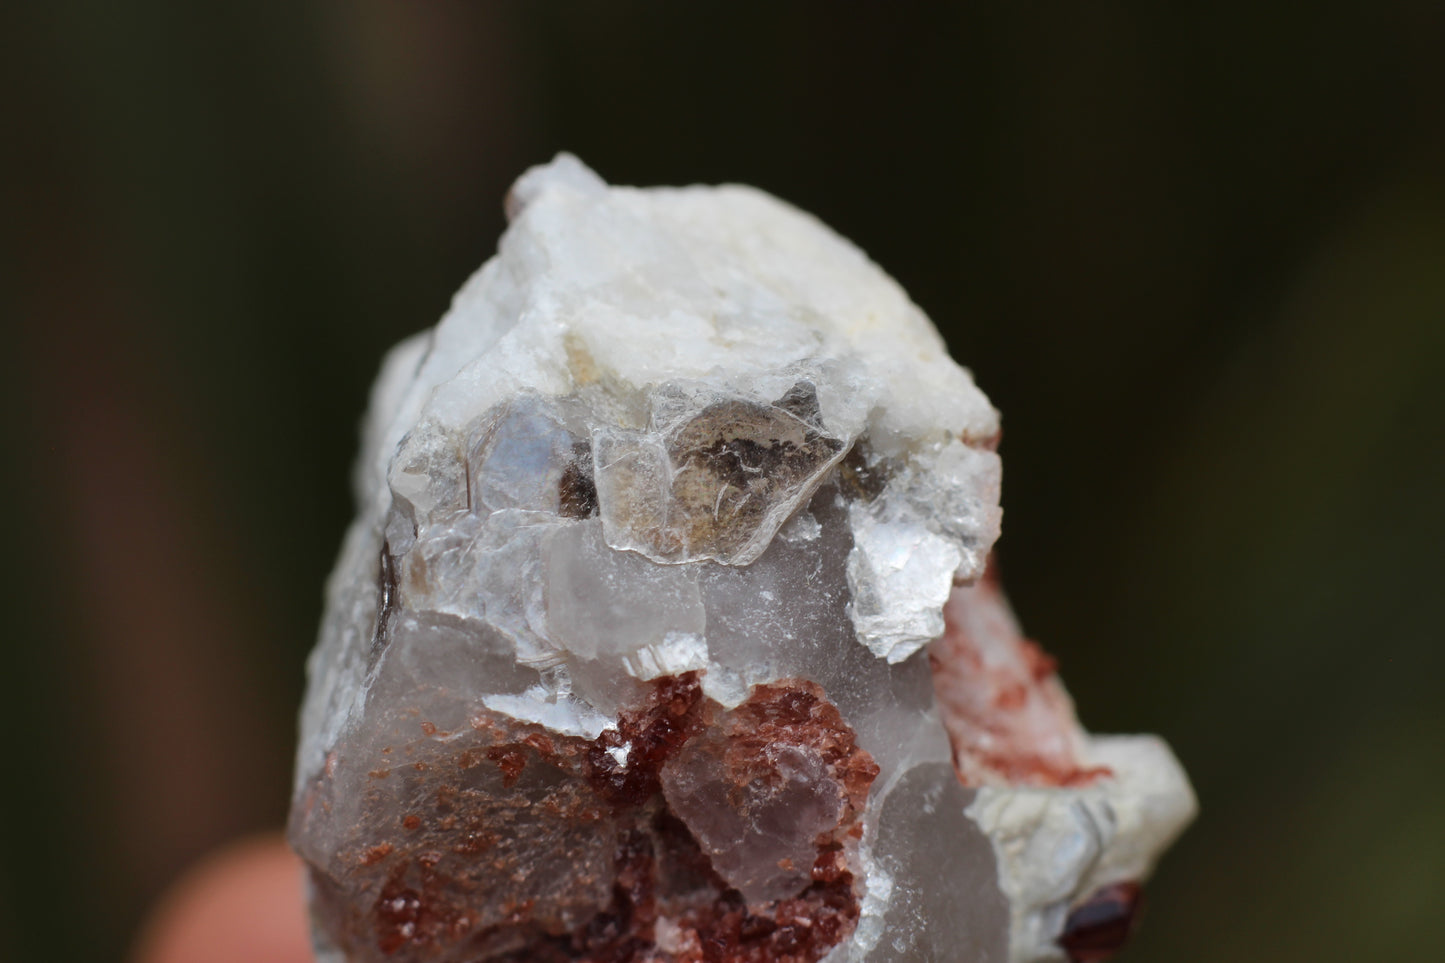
1056 847
692 430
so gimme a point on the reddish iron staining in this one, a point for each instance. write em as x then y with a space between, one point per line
798 930
1008 718
801 929
986 442
1100 926
427 912
711 923
429 728
649 736
510 760
1010 698
404 915
797 714
473 843
1042 666
398 916
376 854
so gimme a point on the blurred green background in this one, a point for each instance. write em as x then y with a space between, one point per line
1194 252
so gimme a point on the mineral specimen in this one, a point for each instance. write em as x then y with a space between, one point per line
666 630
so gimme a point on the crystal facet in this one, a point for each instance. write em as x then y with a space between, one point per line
666 631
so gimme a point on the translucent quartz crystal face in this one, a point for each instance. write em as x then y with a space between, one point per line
666 631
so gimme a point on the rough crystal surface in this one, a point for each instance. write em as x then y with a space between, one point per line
666 633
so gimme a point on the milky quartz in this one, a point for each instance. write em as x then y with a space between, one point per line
666 630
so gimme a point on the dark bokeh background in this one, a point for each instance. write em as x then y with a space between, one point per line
1194 252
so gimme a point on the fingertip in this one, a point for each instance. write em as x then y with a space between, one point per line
243 904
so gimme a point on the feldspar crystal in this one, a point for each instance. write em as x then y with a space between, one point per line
666 630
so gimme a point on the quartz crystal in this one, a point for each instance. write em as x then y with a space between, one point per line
666 631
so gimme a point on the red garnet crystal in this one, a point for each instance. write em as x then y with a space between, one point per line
1100 926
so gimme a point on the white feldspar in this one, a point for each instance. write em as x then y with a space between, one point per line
624 652
1055 847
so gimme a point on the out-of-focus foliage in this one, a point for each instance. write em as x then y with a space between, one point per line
1195 253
